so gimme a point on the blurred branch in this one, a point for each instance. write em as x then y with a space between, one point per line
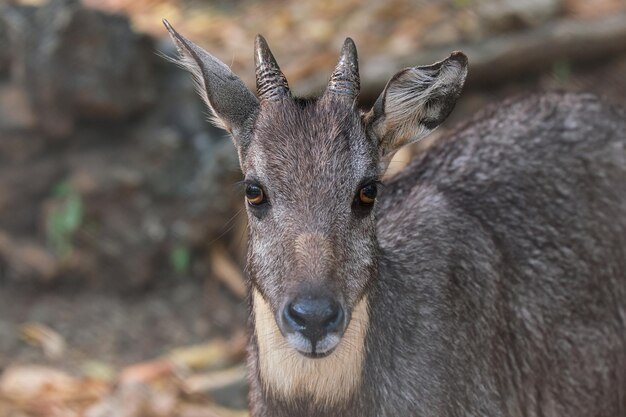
566 40
227 271
211 381
506 57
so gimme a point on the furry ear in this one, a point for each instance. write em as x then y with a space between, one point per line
232 104
415 101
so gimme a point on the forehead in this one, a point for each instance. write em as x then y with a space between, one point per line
311 141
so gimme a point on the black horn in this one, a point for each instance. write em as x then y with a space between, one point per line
271 84
345 79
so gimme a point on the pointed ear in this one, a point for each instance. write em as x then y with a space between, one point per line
415 101
232 104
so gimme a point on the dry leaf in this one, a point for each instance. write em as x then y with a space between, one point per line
147 371
193 410
40 335
31 381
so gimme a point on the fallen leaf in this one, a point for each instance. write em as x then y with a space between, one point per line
40 335
31 381
147 371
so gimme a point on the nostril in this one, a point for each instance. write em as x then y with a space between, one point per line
334 319
297 314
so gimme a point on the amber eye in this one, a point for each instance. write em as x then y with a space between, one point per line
367 194
254 195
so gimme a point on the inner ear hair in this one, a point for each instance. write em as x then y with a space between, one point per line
415 101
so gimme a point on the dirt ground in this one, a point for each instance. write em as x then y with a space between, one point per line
117 330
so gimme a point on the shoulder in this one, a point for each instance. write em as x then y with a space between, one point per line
519 135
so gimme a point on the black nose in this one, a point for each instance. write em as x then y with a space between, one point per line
314 317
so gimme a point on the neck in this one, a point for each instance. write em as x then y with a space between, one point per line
287 374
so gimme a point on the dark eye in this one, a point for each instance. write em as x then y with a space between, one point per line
367 194
255 195
364 199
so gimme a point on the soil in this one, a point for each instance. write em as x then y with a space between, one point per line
113 329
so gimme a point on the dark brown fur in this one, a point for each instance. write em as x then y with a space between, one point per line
502 282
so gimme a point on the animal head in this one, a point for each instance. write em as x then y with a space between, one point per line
312 169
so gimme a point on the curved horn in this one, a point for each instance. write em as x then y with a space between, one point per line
271 84
345 79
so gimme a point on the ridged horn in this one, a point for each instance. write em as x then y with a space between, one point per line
271 84
345 80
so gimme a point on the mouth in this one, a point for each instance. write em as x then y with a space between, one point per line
314 349
317 355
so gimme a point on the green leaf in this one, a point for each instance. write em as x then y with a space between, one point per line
562 71
65 219
180 259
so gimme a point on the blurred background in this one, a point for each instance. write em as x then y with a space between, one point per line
122 235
